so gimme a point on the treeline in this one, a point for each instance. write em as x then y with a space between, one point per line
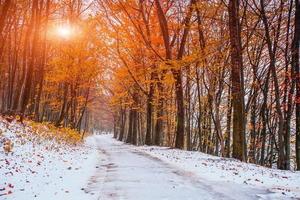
220 77
48 65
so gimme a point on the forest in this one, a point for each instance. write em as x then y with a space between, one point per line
217 76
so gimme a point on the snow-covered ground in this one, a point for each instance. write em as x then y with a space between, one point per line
129 172
43 169
279 183
106 169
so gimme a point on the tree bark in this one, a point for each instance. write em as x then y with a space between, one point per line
148 140
29 73
295 64
236 81
64 104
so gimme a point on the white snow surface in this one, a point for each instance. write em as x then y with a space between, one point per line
129 172
279 184
106 169
43 169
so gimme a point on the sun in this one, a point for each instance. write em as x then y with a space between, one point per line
64 31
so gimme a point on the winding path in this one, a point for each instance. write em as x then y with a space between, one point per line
125 173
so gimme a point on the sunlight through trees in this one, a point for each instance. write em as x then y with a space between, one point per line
220 77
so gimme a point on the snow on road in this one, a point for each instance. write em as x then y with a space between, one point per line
128 172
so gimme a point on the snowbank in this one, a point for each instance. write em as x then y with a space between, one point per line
43 169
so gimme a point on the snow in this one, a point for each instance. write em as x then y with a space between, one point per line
129 172
43 169
281 184
106 169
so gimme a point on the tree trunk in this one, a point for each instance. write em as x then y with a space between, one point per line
64 104
228 125
135 127
130 126
295 64
4 11
263 114
179 142
236 81
29 73
148 140
188 110
159 115
123 123
41 67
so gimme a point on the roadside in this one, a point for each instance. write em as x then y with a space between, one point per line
280 184
43 168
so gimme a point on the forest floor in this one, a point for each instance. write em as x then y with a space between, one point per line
43 168
106 169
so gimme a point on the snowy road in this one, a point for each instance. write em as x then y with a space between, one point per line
125 173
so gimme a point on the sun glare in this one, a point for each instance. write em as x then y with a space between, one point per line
64 31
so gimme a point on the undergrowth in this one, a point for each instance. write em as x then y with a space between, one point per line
49 131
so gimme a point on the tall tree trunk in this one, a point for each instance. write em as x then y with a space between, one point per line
123 123
148 140
199 118
130 126
135 127
236 81
135 119
3 15
228 124
159 115
295 64
179 142
252 150
29 73
263 114
42 66
288 93
188 109
64 104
